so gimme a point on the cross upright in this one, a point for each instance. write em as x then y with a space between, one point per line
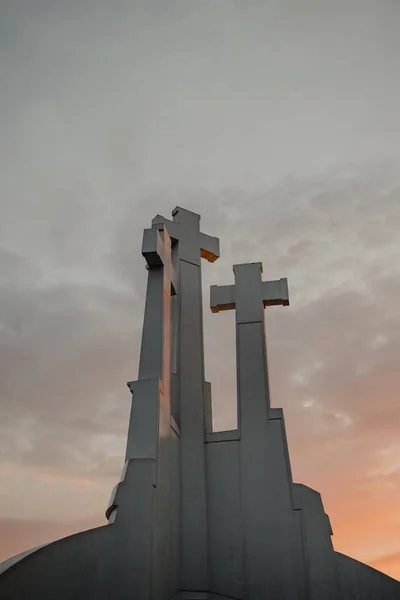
156 249
190 245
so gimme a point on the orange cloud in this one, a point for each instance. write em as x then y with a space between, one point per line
77 481
333 356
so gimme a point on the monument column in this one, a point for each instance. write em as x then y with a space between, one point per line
143 508
192 246
270 532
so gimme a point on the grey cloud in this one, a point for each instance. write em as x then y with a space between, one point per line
333 353
68 348
148 96
112 113
66 353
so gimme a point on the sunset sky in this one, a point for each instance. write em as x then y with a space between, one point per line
279 123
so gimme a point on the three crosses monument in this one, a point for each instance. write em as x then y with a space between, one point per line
198 514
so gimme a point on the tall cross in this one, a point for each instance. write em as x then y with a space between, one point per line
156 249
190 245
185 229
151 392
145 495
154 365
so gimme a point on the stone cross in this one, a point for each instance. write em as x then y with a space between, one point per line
266 509
190 245
156 249
144 498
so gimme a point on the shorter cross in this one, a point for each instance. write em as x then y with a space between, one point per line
250 295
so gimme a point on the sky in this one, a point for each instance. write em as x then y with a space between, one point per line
279 124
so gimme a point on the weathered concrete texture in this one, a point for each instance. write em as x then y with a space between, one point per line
9 562
360 582
74 567
318 554
225 527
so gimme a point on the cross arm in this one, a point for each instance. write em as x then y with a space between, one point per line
153 248
156 253
173 228
222 297
209 247
275 292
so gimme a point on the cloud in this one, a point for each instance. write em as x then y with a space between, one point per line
334 353
66 352
242 112
69 346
